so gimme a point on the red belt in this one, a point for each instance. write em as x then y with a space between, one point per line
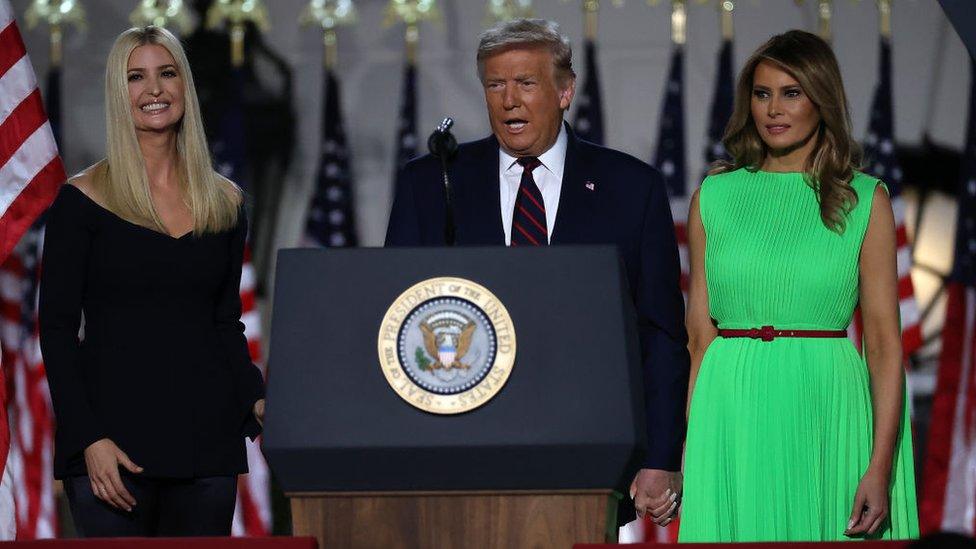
768 333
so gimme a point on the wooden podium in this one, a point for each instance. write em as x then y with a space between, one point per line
456 519
542 464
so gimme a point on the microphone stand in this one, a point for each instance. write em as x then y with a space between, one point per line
443 145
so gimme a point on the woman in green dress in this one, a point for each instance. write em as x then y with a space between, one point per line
793 435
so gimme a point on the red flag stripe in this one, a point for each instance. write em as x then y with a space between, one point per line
947 393
680 230
906 289
901 235
25 119
11 47
247 300
252 515
30 203
911 338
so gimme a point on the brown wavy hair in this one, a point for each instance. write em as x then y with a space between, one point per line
836 155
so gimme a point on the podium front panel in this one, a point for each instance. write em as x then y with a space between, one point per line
569 417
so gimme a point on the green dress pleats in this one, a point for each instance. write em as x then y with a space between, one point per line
780 432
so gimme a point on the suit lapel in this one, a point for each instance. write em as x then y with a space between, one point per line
577 199
481 204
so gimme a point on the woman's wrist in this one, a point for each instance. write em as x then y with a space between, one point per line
880 466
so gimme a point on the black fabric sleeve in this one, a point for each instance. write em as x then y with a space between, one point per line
664 340
230 330
64 267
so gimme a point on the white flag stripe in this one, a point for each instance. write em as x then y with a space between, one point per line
10 331
898 208
958 510
247 277
6 14
904 259
37 151
257 479
679 209
252 324
10 287
908 308
17 83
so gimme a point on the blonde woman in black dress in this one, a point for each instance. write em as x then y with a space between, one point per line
153 404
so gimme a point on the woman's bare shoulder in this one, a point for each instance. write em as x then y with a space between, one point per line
85 180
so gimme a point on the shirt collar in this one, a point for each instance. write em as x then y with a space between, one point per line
553 159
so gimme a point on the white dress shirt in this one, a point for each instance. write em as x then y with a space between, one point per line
548 177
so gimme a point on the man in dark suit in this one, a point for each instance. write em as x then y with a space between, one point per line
533 183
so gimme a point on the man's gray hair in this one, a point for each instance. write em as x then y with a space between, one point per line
528 33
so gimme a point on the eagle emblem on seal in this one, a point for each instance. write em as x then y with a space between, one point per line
447 338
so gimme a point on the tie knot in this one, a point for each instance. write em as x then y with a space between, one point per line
529 162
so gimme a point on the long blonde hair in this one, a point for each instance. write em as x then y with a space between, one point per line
122 183
836 155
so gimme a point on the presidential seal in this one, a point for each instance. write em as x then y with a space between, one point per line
447 345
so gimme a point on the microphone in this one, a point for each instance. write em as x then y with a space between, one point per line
442 145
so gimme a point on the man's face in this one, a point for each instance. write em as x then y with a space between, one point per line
525 102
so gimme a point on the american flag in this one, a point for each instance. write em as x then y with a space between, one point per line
721 110
670 155
670 159
30 174
949 475
29 404
589 113
30 168
330 219
407 130
881 162
252 516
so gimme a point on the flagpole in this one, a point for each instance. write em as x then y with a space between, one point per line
591 18
236 14
824 16
411 13
162 13
679 21
884 13
330 15
588 123
56 14
506 10
411 38
728 30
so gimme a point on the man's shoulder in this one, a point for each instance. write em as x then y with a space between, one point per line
466 153
622 166
615 159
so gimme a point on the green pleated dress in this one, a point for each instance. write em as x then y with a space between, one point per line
780 432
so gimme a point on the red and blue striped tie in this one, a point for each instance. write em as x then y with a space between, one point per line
529 219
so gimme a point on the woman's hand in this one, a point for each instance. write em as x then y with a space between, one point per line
657 493
870 504
259 411
102 459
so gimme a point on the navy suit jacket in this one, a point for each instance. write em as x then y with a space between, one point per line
607 197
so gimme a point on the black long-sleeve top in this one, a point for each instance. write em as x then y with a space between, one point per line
163 368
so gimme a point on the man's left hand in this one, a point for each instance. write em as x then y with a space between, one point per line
657 493
259 411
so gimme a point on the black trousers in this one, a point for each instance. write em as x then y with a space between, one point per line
164 507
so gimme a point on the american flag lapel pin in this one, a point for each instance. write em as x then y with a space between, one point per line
590 186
